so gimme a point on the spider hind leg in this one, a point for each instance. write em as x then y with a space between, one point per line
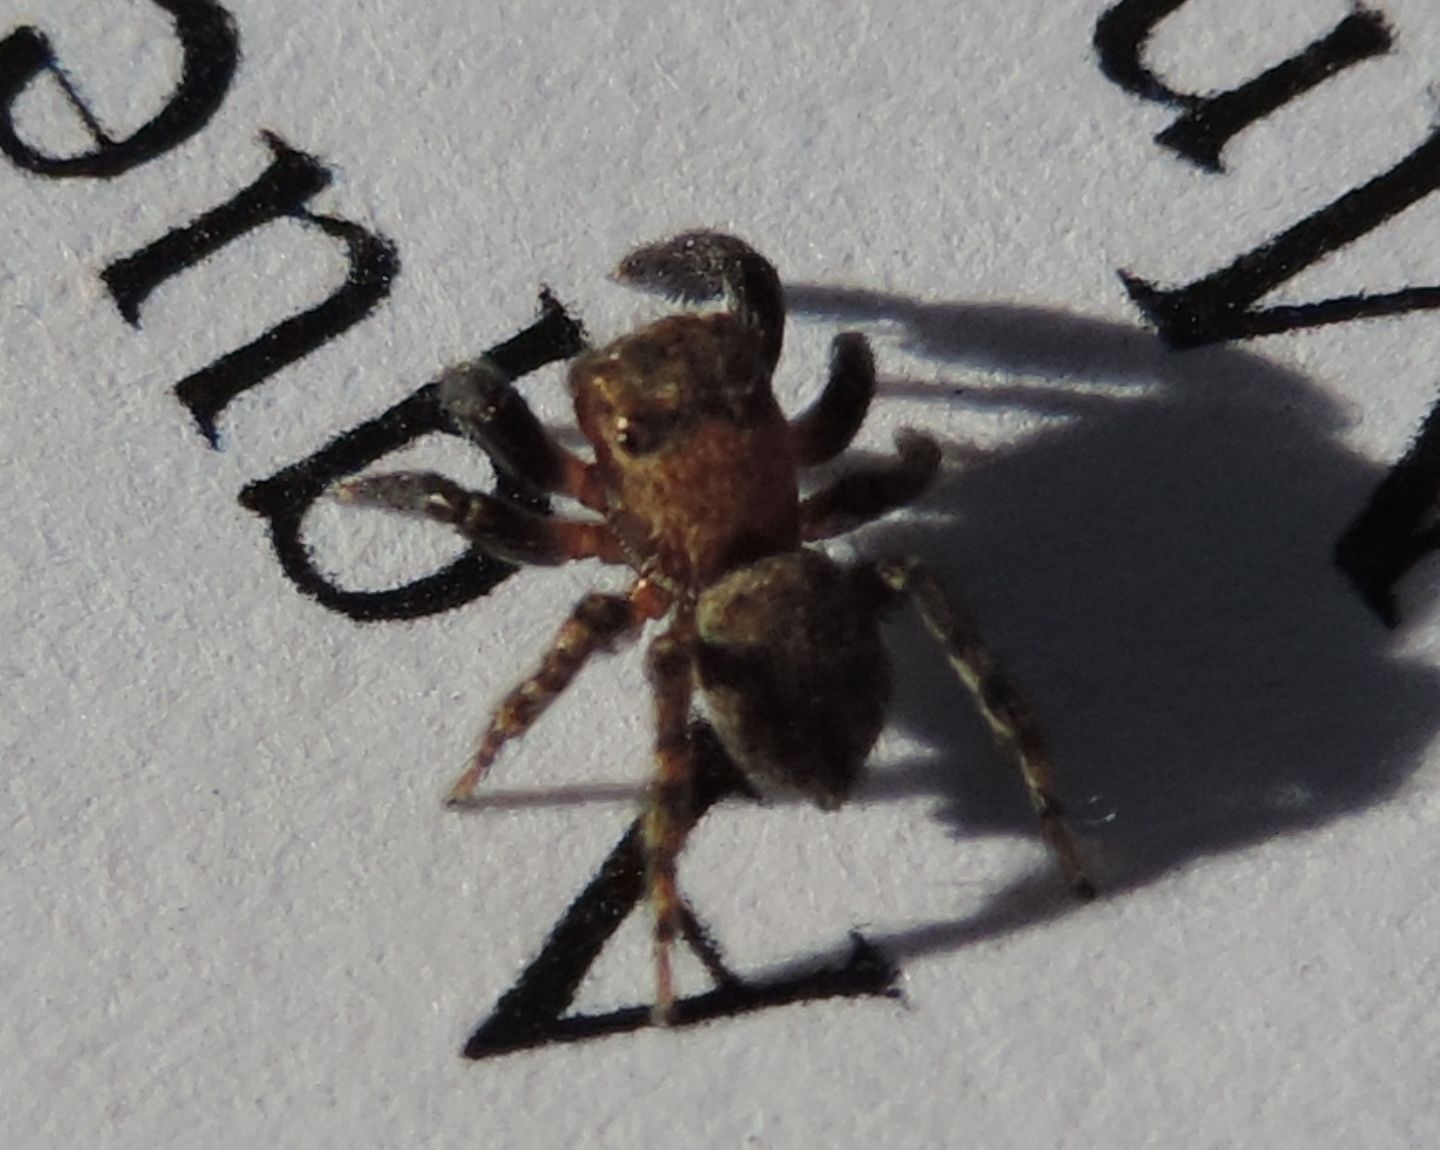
666 822
1002 705
598 623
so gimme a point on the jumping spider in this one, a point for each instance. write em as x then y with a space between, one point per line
694 485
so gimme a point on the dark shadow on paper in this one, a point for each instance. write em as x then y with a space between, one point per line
1156 570
1155 567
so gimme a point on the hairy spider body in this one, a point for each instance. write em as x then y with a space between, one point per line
795 672
692 451
695 486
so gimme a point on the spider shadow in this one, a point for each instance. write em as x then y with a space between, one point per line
1155 568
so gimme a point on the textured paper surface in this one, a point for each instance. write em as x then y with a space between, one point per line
233 911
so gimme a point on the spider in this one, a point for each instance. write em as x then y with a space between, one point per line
694 485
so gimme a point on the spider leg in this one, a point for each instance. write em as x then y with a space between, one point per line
597 623
497 526
714 770
825 428
1001 703
666 822
868 492
701 265
481 400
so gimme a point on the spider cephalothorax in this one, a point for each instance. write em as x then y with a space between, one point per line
694 485
692 452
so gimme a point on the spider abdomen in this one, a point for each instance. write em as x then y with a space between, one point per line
794 672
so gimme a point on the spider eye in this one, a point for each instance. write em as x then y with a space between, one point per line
642 436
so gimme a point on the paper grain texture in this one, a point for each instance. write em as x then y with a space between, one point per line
233 911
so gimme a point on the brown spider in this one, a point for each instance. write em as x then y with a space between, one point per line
694 486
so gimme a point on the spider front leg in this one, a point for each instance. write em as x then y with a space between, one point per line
666 821
1001 703
497 526
825 428
701 265
481 400
871 491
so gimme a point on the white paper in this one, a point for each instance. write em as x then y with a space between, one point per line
234 911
